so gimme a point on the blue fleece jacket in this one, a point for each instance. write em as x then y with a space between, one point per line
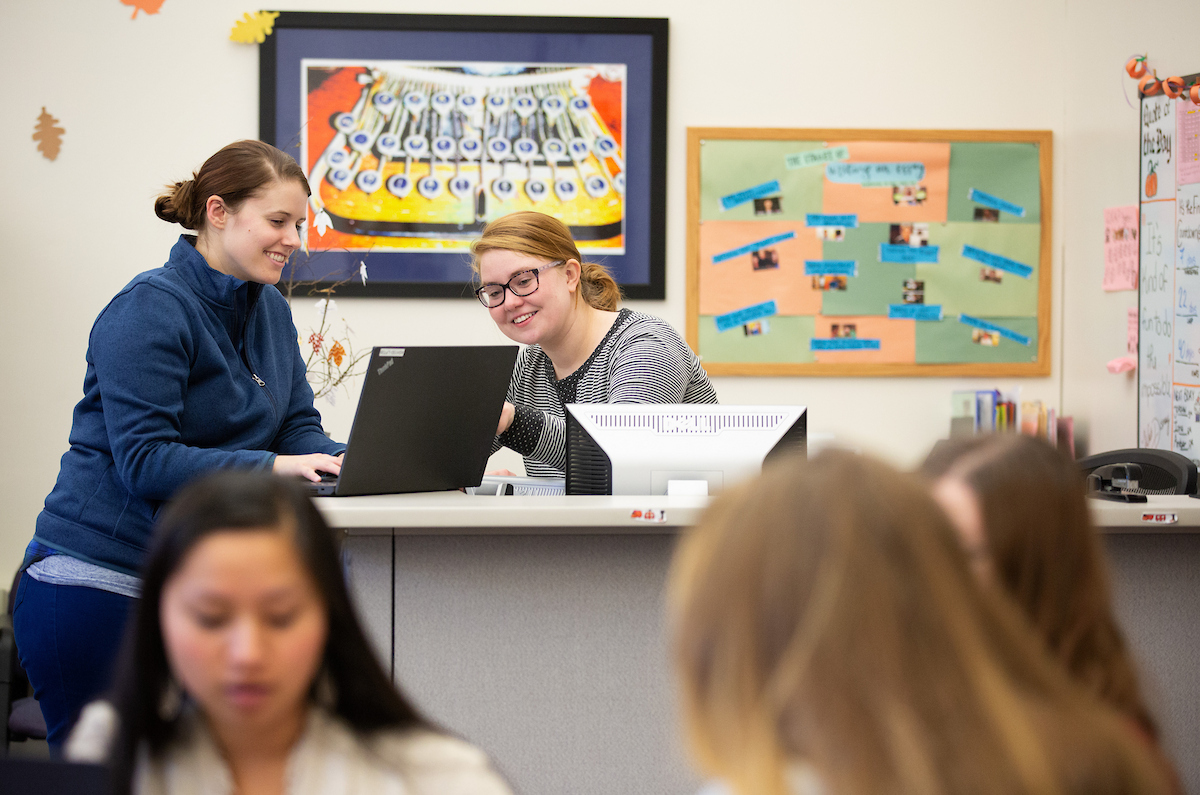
188 370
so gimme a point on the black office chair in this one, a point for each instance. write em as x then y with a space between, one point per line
23 716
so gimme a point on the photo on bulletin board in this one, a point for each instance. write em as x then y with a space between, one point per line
1168 237
869 252
415 131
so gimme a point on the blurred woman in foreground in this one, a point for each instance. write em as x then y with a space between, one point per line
829 638
1019 508
246 671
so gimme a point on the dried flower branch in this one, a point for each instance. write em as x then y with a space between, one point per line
332 361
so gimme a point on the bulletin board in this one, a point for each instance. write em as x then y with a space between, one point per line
869 252
1169 274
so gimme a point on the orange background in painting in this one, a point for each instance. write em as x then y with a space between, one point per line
875 205
897 340
734 284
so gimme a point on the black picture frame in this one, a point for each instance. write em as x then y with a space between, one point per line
638 43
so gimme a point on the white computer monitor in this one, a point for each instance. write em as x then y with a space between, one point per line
621 448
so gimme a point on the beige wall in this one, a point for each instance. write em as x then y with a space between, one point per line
145 101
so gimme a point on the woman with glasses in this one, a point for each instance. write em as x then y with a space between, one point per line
581 348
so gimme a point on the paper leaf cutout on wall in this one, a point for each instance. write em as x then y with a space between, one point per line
149 6
48 136
253 28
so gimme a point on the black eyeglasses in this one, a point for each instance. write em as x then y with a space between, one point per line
521 284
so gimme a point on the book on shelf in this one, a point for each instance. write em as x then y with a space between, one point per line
1003 411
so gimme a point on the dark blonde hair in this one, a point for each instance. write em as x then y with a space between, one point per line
1047 555
824 614
235 173
540 235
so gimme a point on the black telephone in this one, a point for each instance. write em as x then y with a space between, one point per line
1129 475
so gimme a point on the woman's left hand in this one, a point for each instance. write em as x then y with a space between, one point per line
308 466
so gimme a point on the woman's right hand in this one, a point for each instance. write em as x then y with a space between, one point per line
308 466
506 417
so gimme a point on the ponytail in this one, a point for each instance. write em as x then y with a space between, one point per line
599 288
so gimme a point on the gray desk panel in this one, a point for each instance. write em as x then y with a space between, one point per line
549 652
1157 583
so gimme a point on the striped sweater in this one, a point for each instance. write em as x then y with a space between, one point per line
641 360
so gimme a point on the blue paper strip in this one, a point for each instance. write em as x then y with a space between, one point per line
750 247
816 219
858 173
906 254
996 203
914 311
996 261
748 314
750 194
830 267
1001 330
842 344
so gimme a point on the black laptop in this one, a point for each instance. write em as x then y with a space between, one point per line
426 419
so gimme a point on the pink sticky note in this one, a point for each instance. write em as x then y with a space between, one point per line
1188 116
1120 248
1131 334
1124 364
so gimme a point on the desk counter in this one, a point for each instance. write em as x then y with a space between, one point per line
456 513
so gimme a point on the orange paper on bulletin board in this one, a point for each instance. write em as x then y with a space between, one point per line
878 203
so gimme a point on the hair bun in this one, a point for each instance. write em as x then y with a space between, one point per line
175 206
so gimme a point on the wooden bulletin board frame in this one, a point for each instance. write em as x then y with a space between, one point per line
1039 363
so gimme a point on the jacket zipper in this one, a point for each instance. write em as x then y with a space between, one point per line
246 356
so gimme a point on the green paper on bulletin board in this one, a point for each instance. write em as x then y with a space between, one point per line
1007 171
785 340
854 252
877 285
731 169
950 342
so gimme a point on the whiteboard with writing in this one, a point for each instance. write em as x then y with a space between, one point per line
1169 276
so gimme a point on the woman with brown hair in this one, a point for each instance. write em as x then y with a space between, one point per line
582 347
191 367
829 638
1021 514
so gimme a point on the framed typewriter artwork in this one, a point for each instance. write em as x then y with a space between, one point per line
415 131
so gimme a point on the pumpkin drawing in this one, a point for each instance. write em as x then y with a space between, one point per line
1151 181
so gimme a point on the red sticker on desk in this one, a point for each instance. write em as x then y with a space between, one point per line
649 515
1160 518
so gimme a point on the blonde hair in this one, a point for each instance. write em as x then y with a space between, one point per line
825 614
540 235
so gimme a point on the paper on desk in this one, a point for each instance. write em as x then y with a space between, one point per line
1120 248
